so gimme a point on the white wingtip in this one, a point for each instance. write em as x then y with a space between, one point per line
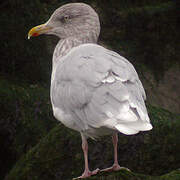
125 130
148 127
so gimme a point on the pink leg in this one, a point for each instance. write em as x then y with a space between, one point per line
115 166
87 172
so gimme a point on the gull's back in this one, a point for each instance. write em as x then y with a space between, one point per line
96 91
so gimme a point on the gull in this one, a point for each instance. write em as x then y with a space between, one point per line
94 91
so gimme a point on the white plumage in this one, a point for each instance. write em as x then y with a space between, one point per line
93 90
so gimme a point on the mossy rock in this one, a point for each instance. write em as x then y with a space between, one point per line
126 175
25 117
59 155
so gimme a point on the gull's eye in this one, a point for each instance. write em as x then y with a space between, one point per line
65 18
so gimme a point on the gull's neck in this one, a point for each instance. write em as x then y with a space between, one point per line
65 45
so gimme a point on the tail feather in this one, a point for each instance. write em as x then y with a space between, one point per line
133 127
126 130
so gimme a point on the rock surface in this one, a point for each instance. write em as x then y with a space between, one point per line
126 175
59 154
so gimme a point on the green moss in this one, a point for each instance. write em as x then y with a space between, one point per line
174 175
55 153
126 175
59 154
25 118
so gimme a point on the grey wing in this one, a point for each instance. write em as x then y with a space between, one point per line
102 90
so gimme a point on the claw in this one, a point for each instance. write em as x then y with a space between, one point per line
87 174
114 168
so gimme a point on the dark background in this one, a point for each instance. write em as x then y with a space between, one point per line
146 32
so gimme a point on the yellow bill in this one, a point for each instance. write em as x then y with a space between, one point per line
37 30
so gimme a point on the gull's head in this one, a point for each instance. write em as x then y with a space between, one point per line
70 20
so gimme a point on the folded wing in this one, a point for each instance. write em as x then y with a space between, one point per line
99 88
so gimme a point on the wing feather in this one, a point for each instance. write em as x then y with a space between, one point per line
100 88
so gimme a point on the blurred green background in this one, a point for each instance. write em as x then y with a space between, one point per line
146 32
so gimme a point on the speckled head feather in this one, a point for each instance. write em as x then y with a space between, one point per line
75 19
